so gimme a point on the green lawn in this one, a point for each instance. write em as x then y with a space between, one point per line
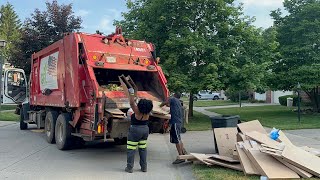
203 172
8 116
8 107
208 103
198 122
273 116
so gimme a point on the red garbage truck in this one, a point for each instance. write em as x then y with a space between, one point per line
75 92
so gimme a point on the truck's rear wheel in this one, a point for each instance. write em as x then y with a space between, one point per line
23 125
63 131
49 126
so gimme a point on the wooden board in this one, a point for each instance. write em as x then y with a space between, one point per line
302 159
161 116
115 111
159 110
284 139
247 166
263 139
226 139
241 137
224 158
186 157
270 167
201 157
252 126
224 164
299 171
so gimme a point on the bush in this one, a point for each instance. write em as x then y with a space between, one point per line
283 100
234 95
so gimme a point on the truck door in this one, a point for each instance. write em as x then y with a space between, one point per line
15 86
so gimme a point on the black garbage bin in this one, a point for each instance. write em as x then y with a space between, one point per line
223 122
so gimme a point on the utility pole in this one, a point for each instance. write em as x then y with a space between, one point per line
2 45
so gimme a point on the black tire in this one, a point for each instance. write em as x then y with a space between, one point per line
215 98
119 141
49 126
64 139
183 130
23 125
195 98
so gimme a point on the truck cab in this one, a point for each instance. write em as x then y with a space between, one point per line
13 85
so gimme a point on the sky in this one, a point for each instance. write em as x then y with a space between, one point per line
100 14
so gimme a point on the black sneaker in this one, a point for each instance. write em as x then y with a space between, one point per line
128 170
144 169
178 161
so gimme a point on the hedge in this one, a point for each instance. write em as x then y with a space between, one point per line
283 100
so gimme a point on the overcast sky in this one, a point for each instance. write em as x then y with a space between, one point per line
99 14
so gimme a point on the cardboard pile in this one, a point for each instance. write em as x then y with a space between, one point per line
252 151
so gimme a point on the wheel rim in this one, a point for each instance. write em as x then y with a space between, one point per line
60 132
48 128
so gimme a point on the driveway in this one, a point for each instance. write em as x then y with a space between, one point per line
27 155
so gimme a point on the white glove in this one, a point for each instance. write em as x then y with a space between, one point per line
131 91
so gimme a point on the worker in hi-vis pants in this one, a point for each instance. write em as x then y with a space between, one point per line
138 132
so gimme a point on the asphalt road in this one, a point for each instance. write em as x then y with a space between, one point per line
27 155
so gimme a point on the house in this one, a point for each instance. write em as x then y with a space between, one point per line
271 96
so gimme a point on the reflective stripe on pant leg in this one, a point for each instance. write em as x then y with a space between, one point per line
143 144
132 145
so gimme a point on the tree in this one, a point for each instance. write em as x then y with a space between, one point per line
44 28
199 41
10 27
299 38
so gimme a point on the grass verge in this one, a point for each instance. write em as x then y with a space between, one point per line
8 107
199 122
274 116
8 116
203 172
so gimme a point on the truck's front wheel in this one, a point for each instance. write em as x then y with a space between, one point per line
23 125
49 127
63 131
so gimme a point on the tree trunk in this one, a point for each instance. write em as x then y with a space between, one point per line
314 97
191 105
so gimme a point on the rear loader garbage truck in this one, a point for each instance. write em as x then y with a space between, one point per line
76 92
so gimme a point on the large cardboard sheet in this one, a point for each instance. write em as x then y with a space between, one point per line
246 164
226 139
302 159
271 167
299 171
263 139
251 126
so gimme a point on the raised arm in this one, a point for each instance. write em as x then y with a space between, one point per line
132 101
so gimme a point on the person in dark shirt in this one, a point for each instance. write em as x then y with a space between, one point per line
175 122
138 132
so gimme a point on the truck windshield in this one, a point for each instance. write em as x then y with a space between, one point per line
108 79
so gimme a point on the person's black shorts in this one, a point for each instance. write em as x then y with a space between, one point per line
175 130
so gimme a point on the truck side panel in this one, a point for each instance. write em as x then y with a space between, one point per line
47 86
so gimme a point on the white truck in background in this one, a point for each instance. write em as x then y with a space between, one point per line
13 85
206 95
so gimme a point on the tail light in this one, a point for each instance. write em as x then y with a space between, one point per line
147 62
100 128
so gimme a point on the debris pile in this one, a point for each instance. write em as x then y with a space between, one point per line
253 151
